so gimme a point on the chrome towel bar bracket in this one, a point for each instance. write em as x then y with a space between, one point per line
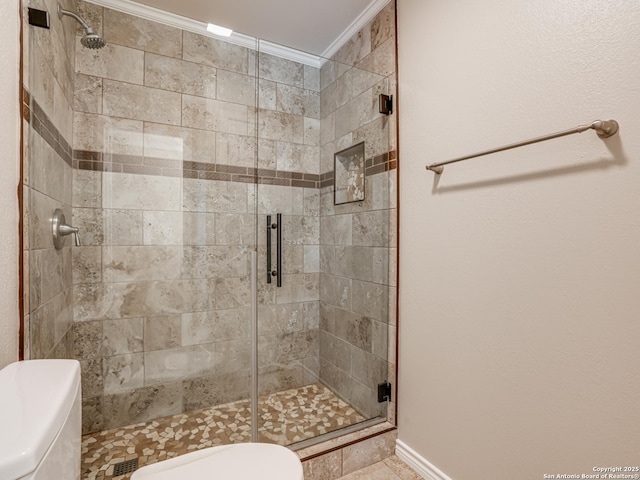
604 129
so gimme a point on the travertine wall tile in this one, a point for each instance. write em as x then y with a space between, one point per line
312 134
231 292
368 452
128 191
235 229
135 264
203 392
371 228
162 366
122 373
49 173
89 221
204 113
91 13
123 29
324 467
236 88
42 79
280 319
87 264
92 375
374 136
141 103
114 62
298 101
162 333
162 228
273 199
300 230
215 326
141 299
280 126
198 228
179 143
122 227
280 70
141 404
179 76
299 288
287 347
122 336
382 59
214 196
238 150
336 291
215 53
88 94
370 299
111 135
87 189
337 350
312 78
296 157
311 258
267 94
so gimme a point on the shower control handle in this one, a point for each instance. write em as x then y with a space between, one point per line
61 230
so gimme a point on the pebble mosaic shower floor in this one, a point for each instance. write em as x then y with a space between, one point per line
285 417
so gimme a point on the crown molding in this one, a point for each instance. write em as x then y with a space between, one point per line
365 17
184 23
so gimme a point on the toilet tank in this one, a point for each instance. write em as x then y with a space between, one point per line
40 420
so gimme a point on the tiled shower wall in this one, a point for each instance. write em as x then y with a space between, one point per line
357 240
47 180
164 149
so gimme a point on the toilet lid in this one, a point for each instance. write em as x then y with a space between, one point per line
242 461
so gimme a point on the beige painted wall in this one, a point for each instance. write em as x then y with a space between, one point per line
9 177
520 271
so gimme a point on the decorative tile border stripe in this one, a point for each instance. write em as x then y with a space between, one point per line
43 125
97 161
140 165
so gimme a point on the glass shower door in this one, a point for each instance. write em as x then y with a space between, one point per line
323 287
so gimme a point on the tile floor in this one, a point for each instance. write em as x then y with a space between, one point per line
285 417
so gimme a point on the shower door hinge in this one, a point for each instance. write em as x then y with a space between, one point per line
384 392
38 18
385 104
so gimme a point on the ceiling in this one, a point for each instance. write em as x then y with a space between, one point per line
307 25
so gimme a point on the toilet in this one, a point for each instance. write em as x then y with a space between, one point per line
242 461
40 414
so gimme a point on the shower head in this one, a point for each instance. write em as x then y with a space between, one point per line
91 39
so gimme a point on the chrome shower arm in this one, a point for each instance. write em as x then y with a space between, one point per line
62 12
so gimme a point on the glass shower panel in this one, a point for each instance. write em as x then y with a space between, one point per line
322 333
288 241
149 149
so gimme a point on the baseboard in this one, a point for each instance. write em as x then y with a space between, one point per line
425 469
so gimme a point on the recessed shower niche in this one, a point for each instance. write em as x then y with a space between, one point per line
349 174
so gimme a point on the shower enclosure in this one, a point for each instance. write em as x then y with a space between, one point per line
218 276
